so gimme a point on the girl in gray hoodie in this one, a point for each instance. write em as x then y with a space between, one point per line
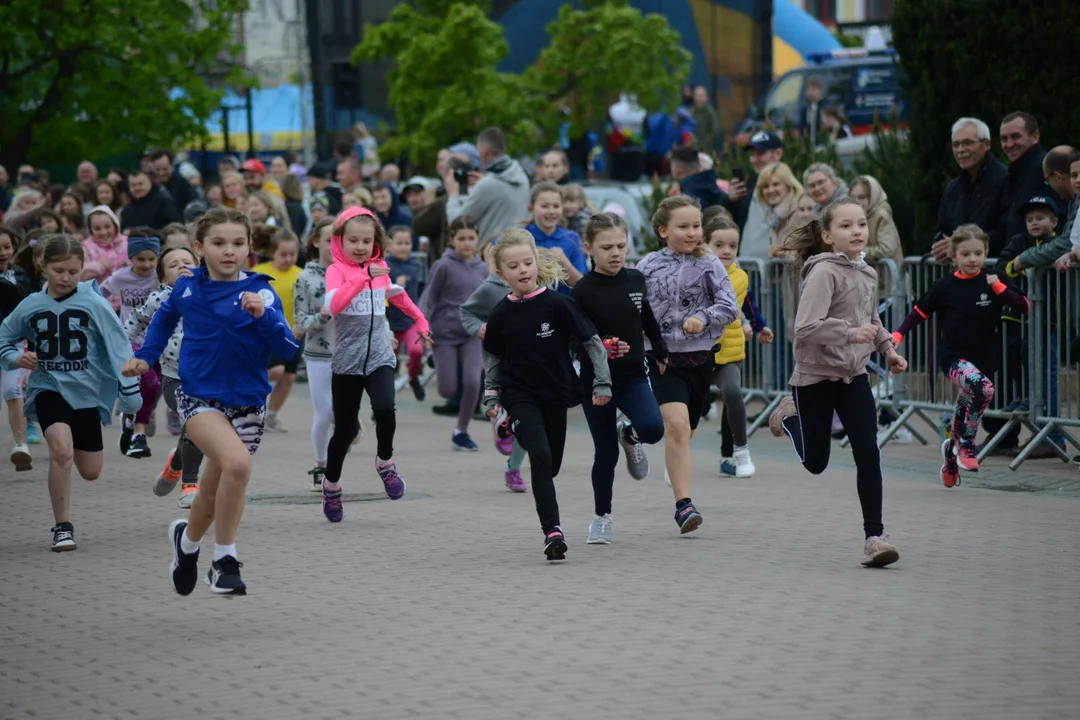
836 330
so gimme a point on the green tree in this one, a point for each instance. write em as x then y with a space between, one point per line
86 78
604 50
951 73
444 83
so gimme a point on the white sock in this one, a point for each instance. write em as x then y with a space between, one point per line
221 551
459 431
737 448
333 487
187 545
383 463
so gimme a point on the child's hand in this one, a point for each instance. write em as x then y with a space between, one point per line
324 314
493 411
765 337
865 334
253 304
748 330
622 348
426 338
378 271
483 331
27 361
1063 263
135 367
394 344
692 326
993 279
600 400
298 332
897 364
661 365
402 280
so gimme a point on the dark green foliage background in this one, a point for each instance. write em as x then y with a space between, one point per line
984 59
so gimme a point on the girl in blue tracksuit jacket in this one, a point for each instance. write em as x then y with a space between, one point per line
232 326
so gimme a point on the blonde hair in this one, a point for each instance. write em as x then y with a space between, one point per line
782 171
806 241
544 187
968 232
662 217
548 270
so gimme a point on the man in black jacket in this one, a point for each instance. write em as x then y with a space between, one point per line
149 206
1020 142
168 177
973 196
693 181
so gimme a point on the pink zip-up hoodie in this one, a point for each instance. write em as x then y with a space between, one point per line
103 260
358 303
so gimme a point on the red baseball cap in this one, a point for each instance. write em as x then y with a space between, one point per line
253 165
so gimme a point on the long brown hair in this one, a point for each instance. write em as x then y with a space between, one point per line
807 241
662 217
311 249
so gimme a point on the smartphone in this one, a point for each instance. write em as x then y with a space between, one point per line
738 174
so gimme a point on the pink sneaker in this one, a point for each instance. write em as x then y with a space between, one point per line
505 445
966 458
514 481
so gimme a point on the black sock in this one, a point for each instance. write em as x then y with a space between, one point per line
629 436
680 504
177 461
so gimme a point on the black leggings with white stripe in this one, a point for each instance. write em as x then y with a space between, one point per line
811 435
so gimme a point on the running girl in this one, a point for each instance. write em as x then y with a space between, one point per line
546 209
132 285
283 272
452 280
11 381
474 315
79 352
232 325
836 330
357 288
613 298
529 373
184 461
311 317
693 300
968 346
722 237
105 249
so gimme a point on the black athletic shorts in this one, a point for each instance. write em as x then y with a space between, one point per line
85 424
686 385
290 365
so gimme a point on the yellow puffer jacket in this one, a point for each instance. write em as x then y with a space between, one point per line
732 345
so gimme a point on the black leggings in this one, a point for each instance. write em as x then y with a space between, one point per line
187 456
541 430
811 434
348 391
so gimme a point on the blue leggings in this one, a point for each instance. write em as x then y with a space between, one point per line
638 403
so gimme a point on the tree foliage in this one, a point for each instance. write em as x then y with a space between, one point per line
86 78
604 50
951 74
444 83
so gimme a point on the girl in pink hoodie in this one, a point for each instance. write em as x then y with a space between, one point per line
357 289
836 330
105 249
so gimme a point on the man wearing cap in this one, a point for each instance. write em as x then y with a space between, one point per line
255 178
764 148
1056 170
320 178
500 199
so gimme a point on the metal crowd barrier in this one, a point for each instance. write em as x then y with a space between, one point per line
1032 391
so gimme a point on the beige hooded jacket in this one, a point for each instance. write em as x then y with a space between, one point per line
838 295
884 240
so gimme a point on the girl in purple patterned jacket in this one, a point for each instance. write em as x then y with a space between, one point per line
693 301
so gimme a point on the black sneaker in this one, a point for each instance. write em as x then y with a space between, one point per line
138 448
555 545
223 577
127 429
417 389
688 517
316 474
184 568
446 410
63 537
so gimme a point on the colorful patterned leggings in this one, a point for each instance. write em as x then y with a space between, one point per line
976 392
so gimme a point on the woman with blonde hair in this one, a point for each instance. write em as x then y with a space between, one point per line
233 192
778 193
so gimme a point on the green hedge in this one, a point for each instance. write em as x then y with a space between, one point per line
984 59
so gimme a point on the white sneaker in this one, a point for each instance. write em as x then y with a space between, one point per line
902 436
20 457
273 425
744 466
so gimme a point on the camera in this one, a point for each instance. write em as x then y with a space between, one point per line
461 177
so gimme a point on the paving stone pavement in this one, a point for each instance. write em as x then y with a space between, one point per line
442 606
